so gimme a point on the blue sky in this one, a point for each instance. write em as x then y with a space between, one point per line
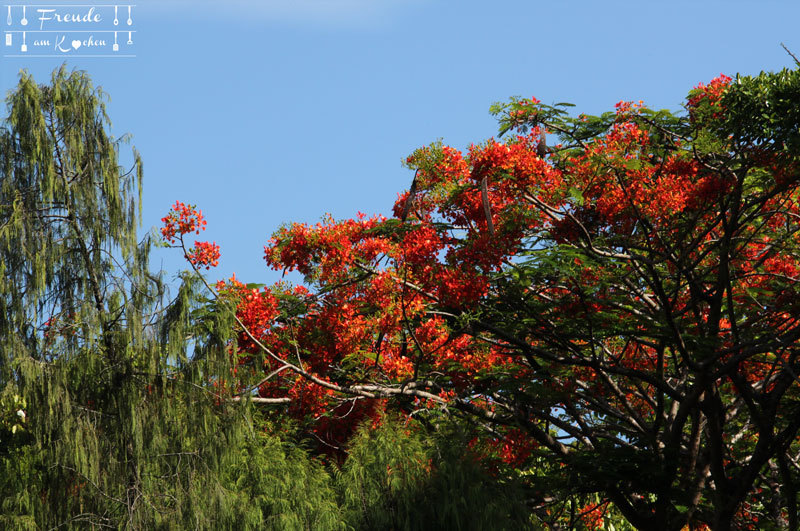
271 111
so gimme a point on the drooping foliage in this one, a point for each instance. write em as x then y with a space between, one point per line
616 311
105 421
400 477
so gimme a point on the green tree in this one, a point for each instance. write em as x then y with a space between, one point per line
403 477
106 420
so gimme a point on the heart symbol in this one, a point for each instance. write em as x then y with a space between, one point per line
76 44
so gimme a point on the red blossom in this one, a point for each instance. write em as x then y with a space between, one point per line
204 254
182 219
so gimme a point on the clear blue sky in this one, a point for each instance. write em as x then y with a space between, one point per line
268 111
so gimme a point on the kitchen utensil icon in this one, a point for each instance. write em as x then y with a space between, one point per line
129 16
116 20
8 20
24 20
130 39
116 46
24 46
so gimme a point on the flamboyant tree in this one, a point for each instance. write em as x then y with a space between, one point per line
617 313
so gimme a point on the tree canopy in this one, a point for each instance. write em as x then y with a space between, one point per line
590 320
616 312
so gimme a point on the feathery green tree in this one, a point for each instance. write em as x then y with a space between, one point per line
106 420
399 477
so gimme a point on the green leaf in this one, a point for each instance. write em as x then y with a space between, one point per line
576 195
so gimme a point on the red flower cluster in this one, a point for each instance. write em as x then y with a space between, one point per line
257 309
204 254
182 219
708 97
593 515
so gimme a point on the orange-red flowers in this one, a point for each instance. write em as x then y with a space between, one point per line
204 254
182 219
